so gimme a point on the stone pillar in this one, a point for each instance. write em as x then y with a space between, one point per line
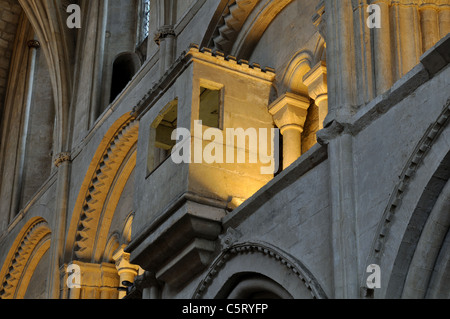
289 113
341 57
429 19
96 281
407 37
63 163
126 270
316 81
383 50
165 38
444 21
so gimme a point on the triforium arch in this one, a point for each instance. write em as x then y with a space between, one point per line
106 177
258 270
24 256
412 240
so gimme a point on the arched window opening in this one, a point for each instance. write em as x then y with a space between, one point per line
145 25
124 68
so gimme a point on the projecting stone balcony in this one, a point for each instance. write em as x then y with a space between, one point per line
181 203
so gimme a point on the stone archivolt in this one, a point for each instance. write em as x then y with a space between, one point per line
236 249
411 167
99 185
233 19
36 234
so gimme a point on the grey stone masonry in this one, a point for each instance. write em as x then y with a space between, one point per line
9 19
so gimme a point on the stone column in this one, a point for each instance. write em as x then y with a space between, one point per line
316 81
444 21
289 113
126 270
383 50
429 19
165 38
62 162
341 57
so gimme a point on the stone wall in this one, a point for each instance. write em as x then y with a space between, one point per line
9 20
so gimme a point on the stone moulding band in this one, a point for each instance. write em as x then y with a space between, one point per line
118 147
36 232
411 167
267 250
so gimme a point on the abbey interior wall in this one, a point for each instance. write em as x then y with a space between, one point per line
294 211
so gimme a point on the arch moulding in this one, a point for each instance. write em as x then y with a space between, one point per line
295 270
26 252
111 166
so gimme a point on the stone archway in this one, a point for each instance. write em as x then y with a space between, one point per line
412 235
24 256
257 267
107 174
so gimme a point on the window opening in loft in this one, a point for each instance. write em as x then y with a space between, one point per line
145 19
163 134
210 106
123 72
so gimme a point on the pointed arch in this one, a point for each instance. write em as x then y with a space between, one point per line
48 21
25 254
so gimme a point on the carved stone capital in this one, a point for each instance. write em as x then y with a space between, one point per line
163 32
61 158
34 44
123 264
289 111
316 81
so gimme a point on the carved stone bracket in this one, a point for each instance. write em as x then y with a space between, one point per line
61 158
34 44
164 32
229 238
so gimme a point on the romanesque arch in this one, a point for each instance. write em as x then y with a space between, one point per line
25 254
412 238
104 181
257 269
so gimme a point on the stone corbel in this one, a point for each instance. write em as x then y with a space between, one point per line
61 158
34 44
316 81
163 32
289 112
